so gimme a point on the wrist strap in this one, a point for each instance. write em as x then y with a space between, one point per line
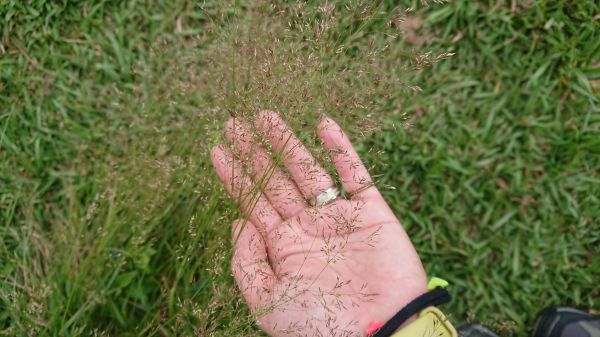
432 298
430 322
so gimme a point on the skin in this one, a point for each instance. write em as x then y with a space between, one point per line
312 271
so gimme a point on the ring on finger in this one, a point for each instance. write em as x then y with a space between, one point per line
325 197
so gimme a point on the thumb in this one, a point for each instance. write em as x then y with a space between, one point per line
250 265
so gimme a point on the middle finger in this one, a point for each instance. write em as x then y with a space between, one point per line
276 184
310 177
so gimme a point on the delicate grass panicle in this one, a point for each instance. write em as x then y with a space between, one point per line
304 61
115 223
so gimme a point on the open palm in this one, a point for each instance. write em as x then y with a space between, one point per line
312 271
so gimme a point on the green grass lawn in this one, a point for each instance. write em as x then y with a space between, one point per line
112 223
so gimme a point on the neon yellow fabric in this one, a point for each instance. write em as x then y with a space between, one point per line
430 322
436 282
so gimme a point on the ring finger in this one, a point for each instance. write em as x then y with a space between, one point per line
310 177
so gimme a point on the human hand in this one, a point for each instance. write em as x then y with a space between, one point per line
322 271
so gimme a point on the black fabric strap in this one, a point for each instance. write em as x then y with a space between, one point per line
437 296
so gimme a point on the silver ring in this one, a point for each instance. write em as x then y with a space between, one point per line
325 197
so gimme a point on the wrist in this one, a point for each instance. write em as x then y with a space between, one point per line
418 315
